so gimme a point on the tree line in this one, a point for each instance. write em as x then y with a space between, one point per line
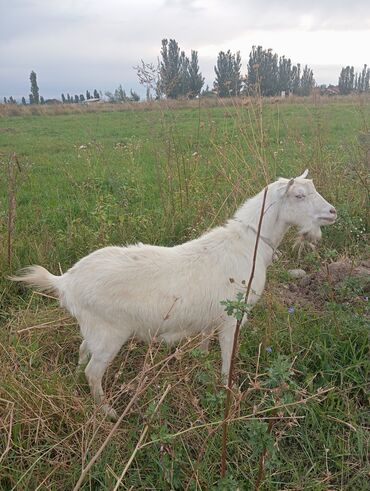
177 75
77 98
349 81
35 98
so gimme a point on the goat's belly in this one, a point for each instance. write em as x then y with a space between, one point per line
174 337
174 326
171 333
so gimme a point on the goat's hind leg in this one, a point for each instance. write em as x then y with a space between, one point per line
204 341
84 355
94 373
104 346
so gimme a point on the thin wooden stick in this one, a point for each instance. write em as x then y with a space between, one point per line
261 464
235 342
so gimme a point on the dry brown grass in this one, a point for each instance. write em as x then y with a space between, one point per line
7 110
49 421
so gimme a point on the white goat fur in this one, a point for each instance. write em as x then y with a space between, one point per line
169 293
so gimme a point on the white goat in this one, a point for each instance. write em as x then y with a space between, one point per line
169 293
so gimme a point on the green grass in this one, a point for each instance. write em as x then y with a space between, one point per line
163 176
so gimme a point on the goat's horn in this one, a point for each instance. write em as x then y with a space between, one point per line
304 175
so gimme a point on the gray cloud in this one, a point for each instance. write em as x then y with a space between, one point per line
79 45
325 14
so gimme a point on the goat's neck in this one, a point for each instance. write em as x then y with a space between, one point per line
273 227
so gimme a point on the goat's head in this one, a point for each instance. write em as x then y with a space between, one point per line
305 208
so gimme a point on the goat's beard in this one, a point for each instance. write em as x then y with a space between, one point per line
307 238
311 235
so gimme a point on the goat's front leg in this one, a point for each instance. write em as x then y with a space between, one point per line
226 340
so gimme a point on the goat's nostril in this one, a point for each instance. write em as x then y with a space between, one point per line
333 211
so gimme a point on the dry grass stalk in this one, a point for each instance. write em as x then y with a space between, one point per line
141 439
142 386
9 430
56 323
13 166
9 110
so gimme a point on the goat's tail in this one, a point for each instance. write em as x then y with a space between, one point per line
39 278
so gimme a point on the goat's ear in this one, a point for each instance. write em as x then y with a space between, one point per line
289 185
304 175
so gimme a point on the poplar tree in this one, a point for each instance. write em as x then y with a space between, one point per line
236 81
184 89
134 96
367 80
346 81
196 81
270 74
307 81
34 89
363 80
285 75
263 71
176 75
119 95
296 79
169 69
228 80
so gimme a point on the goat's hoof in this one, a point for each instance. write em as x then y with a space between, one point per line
234 386
109 412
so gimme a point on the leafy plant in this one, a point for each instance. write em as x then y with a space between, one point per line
236 308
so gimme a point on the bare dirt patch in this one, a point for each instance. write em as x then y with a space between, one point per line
341 282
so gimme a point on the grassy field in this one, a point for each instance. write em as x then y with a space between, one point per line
164 174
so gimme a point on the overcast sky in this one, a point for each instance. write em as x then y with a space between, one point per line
74 45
